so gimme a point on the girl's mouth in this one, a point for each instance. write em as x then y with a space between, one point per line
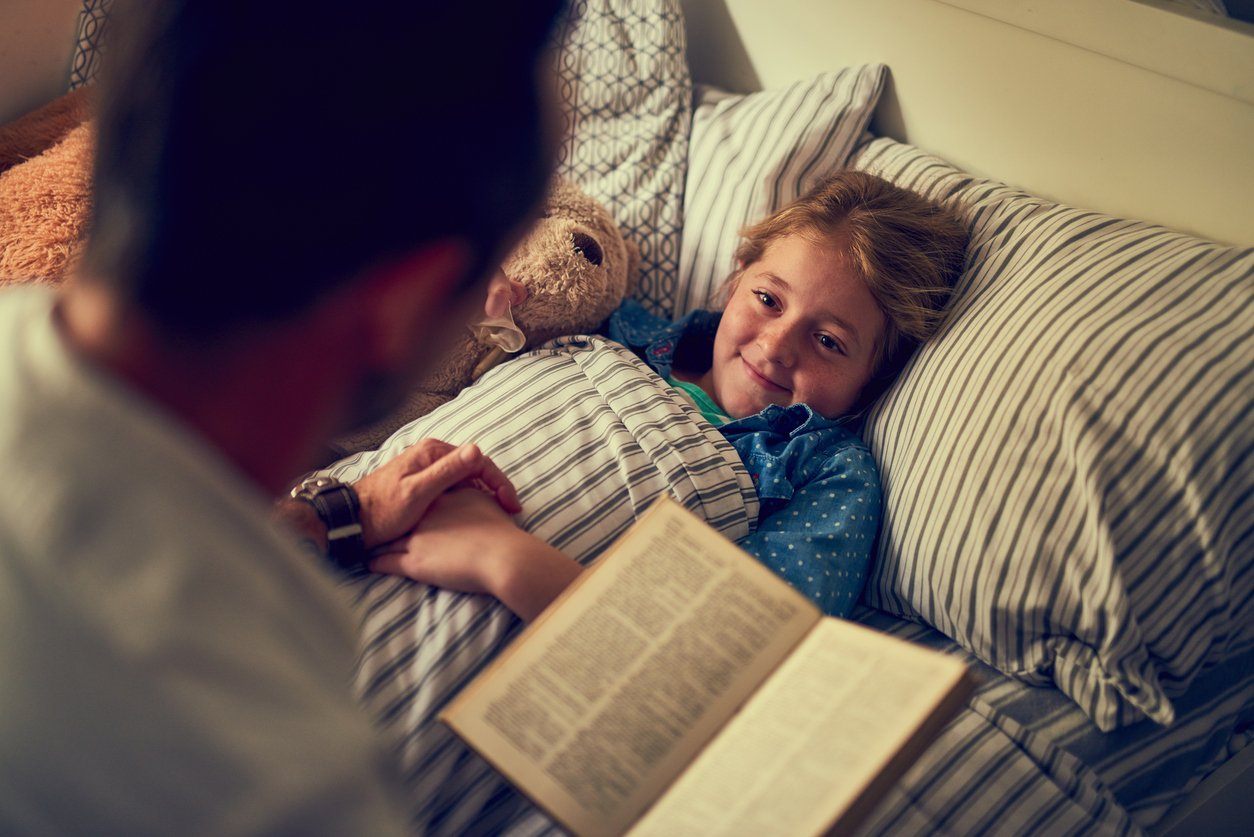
761 380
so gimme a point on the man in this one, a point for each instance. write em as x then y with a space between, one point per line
294 204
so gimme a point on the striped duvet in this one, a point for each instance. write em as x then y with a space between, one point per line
590 436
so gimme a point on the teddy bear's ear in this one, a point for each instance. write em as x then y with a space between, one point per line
633 265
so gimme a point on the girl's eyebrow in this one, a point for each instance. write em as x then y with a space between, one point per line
827 315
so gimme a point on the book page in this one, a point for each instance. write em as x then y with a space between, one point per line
834 718
601 703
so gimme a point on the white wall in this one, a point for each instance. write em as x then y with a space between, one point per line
36 48
1104 104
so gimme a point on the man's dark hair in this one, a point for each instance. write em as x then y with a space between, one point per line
252 156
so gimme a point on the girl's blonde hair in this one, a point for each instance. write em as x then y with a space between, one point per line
908 249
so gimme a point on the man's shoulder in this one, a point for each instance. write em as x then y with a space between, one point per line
102 495
25 296
150 613
22 308
126 535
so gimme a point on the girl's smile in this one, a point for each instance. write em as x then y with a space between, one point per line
760 379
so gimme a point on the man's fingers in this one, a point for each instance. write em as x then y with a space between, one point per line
424 454
497 483
508 498
455 466
484 471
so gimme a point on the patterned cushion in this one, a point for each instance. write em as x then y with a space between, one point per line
591 436
623 78
1066 470
93 20
750 155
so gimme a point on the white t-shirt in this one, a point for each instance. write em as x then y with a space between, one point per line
169 662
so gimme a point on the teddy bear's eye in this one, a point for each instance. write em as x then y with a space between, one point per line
586 246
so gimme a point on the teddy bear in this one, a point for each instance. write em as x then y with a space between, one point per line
574 267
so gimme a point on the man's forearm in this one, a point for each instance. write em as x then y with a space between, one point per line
301 519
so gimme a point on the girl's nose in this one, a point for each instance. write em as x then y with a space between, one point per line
776 343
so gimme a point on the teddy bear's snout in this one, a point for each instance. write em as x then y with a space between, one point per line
586 246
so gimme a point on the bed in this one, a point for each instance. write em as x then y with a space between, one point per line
1071 520
1066 469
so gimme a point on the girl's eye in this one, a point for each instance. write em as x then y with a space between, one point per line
828 343
765 298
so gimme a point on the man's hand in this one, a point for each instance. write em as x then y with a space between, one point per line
396 497
466 542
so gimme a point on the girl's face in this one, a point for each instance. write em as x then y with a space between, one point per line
800 326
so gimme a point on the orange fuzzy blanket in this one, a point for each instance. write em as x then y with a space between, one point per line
45 189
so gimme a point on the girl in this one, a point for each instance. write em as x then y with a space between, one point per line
831 296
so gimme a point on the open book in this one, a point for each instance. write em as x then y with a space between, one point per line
680 687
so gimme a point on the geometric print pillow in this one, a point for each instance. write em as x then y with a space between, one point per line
1067 467
93 20
623 81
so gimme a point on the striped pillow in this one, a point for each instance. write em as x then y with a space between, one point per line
623 79
1067 480
750 155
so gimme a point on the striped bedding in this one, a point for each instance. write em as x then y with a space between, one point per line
1020 758
1026 760
590 436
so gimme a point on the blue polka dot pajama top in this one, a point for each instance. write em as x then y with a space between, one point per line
818 485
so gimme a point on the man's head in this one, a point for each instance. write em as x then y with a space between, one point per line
255 157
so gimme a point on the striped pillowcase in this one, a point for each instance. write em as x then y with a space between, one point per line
749 155
622 71
1067 482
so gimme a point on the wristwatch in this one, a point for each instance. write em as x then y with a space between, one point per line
337 507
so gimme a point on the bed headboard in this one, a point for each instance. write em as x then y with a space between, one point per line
1115 105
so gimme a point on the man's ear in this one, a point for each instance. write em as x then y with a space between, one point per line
410 296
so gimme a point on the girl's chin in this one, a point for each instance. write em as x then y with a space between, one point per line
747 407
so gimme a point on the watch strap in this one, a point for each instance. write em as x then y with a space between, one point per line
338 508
